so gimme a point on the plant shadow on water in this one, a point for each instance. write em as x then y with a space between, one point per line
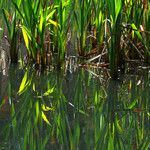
74 111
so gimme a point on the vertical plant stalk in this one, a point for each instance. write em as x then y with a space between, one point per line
82 44
13 42
61 37
146 36
115 10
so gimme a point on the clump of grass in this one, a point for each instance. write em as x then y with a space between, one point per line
91 26
12 24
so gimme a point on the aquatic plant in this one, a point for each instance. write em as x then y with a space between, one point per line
114 14
36 17
53 30
76 111
12 24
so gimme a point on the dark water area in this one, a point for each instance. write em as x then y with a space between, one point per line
79 110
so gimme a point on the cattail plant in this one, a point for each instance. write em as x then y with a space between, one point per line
115 9
82 10
12 24
99 20
36 17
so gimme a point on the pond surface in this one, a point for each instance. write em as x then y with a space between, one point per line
79 110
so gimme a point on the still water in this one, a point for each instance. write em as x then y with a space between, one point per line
80 110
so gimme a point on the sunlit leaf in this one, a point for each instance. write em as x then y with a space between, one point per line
41 22
50 15
53 23
23 83
37 111
45 118
33 86
135 31
132 104
48 92
118 126
118 4
46 108
25 36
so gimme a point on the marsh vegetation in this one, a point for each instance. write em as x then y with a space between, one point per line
74 74
100 32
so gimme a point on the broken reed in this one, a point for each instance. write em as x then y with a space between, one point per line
45 26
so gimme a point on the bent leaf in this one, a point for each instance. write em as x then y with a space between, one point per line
48 92
53 23
46 108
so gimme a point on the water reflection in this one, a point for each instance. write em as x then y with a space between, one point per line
75 111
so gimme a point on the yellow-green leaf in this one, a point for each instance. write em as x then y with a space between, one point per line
50 14
23 83
53 22
46 108
41 22
45 118
48 92
136 31
26 38
33 86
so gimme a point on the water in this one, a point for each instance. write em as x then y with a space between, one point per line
80 110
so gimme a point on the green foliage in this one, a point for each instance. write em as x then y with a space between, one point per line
50 27
92 115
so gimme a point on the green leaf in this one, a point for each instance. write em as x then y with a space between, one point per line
53 23
46 108
118 4
135 30
50 15
111 143
41 22
45 118
132 104
5 14
48 92
23 83
25 36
